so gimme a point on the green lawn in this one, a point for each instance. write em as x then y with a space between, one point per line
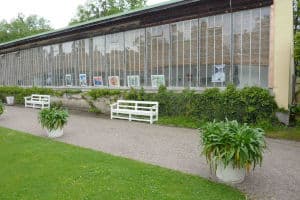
285 133
278 132
39 168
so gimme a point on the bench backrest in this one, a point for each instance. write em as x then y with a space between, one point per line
137 105
39 97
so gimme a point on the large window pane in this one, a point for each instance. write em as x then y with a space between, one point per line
99 58
135 50
115 56
158 44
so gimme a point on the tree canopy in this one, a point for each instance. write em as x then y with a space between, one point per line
22 26
94 9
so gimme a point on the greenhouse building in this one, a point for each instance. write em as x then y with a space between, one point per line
180 44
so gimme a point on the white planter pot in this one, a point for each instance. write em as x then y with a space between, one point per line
55 133
10 100
230 174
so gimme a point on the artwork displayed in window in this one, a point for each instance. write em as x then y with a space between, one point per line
114 81
133 81
157 80
212 51
98 81
82 80
68 80
49 80
218 74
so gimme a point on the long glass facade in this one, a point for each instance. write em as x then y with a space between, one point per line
207 52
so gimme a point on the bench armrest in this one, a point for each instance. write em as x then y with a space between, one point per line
27 98
112 105
154 107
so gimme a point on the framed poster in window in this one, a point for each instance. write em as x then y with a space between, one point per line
82 80
68 80
114 81
157 80
133 81
98 81
218 75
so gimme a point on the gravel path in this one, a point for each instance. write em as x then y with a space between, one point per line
175 148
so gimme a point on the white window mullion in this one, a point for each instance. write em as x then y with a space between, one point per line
250 61
259 49
190 75
206 50
183 54
241 46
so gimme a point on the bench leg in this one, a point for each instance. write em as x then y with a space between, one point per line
151 119
130 117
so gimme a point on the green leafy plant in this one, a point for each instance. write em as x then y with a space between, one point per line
57 104
19 93
98 93
294 109
53 118
1 107
232 143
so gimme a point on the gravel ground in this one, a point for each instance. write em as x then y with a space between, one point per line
174 148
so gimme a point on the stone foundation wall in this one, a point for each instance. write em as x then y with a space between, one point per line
82 103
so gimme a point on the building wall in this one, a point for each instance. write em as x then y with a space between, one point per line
186 53
281 59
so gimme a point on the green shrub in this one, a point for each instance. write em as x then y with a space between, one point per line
19 93
249 105
168 102
57 104
259 104
68 92
98 93
1 107
231 143
53 118
133 94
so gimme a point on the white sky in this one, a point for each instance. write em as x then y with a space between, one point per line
58 12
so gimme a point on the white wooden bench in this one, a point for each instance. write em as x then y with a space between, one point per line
135 110
37 101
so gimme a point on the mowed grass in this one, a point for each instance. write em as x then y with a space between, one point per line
292 133
276 132
39 168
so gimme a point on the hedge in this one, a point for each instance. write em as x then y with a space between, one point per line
19 93
250 104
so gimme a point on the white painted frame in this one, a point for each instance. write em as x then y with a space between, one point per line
132 110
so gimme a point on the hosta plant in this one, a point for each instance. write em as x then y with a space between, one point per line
53 118
1 107
233 144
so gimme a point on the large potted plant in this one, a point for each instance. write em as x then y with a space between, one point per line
10 100
53 120
232 149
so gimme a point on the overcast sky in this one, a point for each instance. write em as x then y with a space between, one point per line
59 12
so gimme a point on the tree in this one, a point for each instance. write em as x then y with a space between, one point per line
22 26
94 9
